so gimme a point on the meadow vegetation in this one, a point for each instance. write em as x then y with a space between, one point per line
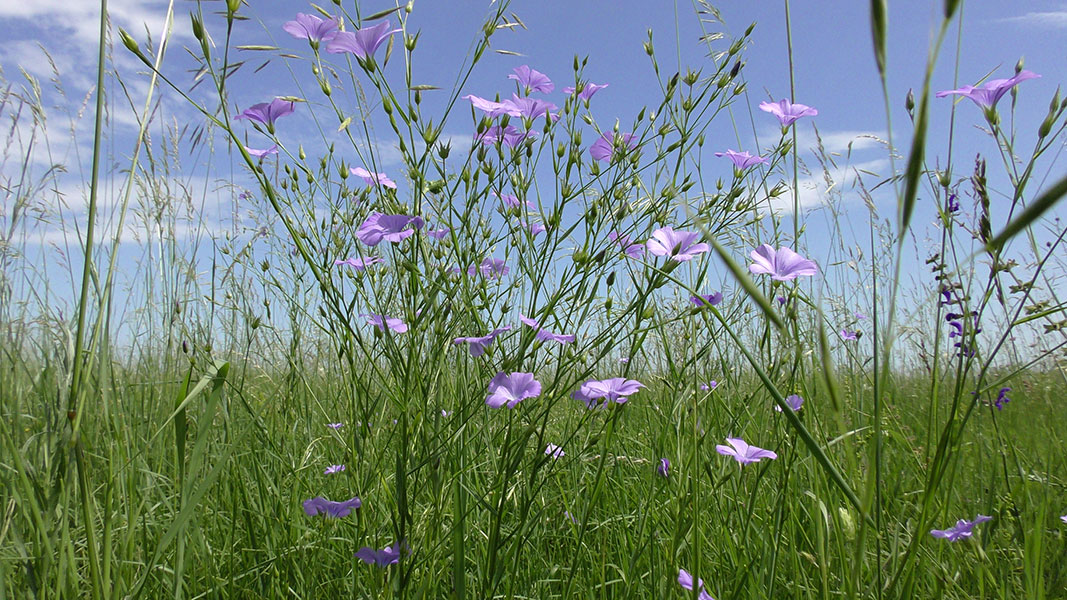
562 360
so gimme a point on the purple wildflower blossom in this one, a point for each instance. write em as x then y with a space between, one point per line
608 146
510 136
677 245
256 152
391 228
742 160
963 529
663 469
491 108
382 321
479 344
545 335
987 95
588 89
743 452
438 234
1002 397
713 299
390 555
633 250
493 268
793 401
531 80
321 506
529 108
330 470
686 581
782 264
267 112
311 28
511 388
787 112
957 329
615 389
533 228
952 204
371 178
335 426
554 451
512 201
361 42
707 387
359 263
847 335
860 316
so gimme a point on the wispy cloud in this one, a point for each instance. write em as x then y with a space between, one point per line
838 184
1055 19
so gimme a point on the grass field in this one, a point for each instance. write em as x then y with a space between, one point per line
528 412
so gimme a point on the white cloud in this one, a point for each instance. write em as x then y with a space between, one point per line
837 184
1047 20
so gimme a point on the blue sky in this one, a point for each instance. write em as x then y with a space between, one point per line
833 65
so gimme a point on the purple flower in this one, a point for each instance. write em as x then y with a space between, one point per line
391 228
608 146
787 112
491 108
554 451
321 506
494 268
742 452
860 316
742 160
267 112
330 470
361 42
678 245
963 529
529 108
510 136
311 28
531 80
1064 518
382 321
335 426
707 387
588 89
782 264
628 246
359 263
479 344
512 201
663 469
957 329
511 388
616 389
256 152
545 335
686 581
781 299
713 299
371 178
438 234
988 93
534 228
1002 397
952 204
624 360
390 555
793 401
848 335
571 517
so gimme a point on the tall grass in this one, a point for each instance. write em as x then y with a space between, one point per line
166 448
